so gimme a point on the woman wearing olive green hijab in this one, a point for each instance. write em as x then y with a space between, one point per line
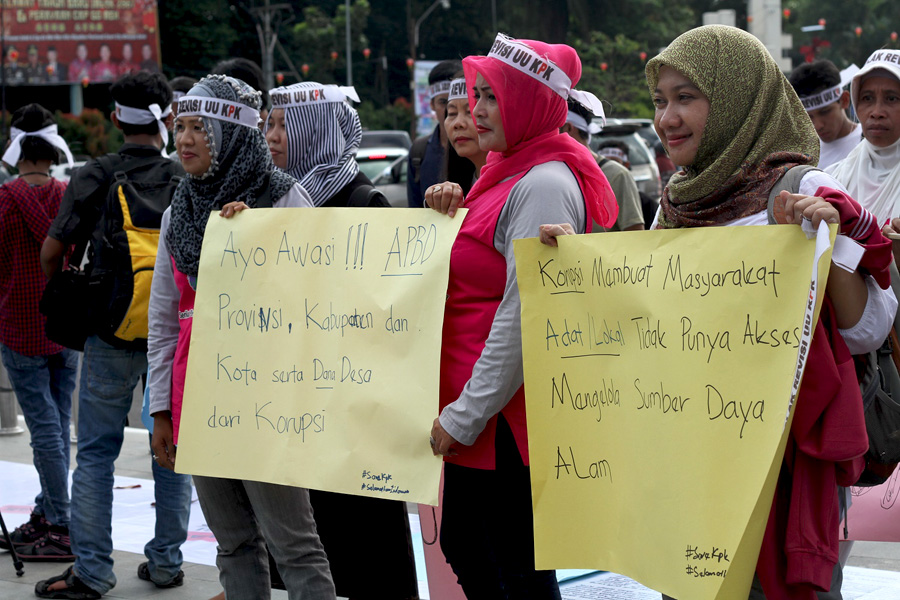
726 113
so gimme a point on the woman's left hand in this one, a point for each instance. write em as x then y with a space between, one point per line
441 441
444 197
800 206
232 208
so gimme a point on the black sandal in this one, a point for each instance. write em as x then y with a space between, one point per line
75 588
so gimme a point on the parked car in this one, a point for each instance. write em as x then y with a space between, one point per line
372 161
385 138
392 182
641 156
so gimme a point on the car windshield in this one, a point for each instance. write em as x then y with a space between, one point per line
394 139
373 168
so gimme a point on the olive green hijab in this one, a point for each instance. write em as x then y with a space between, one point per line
756 130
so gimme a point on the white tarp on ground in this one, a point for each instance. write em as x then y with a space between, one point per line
133 522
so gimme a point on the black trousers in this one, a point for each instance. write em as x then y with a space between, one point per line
487 532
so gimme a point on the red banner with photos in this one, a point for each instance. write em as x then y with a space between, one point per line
77 41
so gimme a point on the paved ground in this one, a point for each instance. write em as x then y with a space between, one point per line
201 581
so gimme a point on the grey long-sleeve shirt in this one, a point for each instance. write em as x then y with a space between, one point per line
548 193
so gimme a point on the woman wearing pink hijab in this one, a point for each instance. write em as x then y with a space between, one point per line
533 175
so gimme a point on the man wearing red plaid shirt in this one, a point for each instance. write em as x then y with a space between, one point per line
42 372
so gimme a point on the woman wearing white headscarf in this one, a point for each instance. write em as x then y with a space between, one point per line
871 172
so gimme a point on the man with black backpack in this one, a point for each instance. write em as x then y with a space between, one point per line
114 206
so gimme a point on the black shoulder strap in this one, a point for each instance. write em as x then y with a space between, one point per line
366 195
790 182
603 160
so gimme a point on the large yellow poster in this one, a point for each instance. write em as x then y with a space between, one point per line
660 369
315 350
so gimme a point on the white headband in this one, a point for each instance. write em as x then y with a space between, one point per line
285 97
48 133
581 124
524 59
458 90
830 95
441 87
613 152
145 116
217 108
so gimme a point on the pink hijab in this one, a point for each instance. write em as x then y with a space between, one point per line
532 100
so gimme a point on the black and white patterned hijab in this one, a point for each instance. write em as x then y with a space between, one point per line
240 169
322 138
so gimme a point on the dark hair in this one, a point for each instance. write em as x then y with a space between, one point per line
247 71
33 117
140 90
444 71
582 111
182 84
812 78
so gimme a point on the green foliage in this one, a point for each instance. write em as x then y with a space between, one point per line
394 116
318 34
90 133
622 86
196 34
877 18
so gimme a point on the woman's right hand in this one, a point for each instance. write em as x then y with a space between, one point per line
444 197
162 443
232 208
549 233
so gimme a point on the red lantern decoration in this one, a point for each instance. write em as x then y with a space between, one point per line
304 68
367 53
893 36
334 55
643 55
822 22
603 66
858 31
279 77
410 63
787 13
85 81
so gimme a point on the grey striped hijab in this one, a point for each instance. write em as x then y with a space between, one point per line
322 140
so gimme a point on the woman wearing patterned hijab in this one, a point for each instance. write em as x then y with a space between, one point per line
313 134
735 144
228 166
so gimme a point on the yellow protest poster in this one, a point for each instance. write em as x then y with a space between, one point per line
315 350
660 368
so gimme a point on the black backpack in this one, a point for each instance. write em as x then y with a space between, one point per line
123 245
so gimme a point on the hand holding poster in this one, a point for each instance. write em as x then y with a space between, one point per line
315 350
660 369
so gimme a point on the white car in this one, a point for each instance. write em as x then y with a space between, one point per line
63 172
372 161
